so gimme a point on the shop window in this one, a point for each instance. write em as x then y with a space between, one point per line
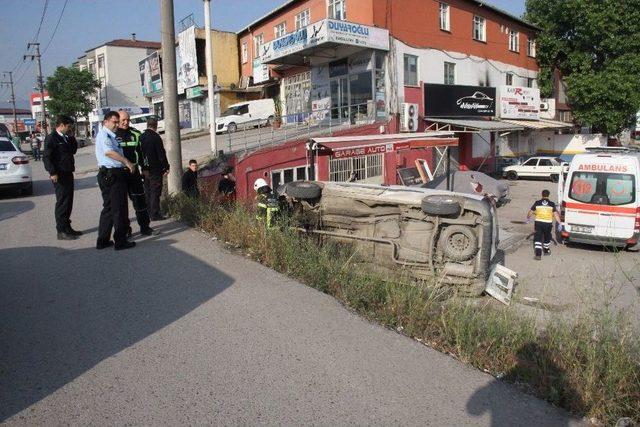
360 168
530 82
337 9
509 79
360 87
514 41
479 28
444 17
410 70
280 30
245 52
297 97
258 41
531 48
449 73
284 176
303 19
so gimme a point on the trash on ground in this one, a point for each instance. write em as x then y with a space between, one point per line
501 283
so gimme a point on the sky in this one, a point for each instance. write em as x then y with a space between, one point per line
89 23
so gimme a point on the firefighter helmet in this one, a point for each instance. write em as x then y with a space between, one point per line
259 184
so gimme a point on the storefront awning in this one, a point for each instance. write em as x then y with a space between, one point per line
538 124
320 39
349 146
471 125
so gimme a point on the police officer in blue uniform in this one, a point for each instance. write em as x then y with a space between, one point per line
114 169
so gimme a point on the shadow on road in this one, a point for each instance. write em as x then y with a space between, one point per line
11 209
76 308
534 366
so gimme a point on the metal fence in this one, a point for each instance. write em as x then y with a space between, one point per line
257 134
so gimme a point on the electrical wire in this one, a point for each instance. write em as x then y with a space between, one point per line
56 28
44 12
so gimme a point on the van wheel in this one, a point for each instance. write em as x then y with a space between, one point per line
458 242
512 176
232 127
440 205
303 190
270 121
554 177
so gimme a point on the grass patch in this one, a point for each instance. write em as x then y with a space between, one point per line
588 366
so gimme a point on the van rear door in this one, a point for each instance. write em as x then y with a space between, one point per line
601 204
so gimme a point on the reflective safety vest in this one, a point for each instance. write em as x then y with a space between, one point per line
268 208
133 145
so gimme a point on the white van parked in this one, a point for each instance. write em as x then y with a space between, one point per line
139 122
246 114
600 198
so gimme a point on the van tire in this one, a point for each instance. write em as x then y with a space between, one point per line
232 127
440 205
512 176
554 177
458 242
304 190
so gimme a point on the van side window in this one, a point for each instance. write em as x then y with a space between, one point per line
243 109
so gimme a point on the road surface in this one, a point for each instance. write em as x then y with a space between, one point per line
179 331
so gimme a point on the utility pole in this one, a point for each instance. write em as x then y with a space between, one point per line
170 95
13 99
210 82
40 81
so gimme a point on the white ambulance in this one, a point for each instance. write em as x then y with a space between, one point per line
600 199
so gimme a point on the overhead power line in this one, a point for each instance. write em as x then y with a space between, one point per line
56 28
44 12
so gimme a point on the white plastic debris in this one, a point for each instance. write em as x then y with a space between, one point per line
501 283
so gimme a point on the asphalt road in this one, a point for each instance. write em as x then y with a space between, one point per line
179 331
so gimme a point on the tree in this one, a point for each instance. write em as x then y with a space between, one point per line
595 45
70 90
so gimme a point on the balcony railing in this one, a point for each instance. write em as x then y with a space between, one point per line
257 134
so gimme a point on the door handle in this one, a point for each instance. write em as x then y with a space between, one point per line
604 214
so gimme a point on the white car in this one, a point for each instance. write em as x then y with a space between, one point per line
537 167
15 170
139 122
261 112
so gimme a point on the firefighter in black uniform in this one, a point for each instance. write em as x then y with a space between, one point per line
544 211
267 203
59 148
129 140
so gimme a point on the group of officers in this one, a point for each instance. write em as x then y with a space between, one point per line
130 164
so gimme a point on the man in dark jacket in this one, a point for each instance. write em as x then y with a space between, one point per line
129 140
155 167
59 148
190 180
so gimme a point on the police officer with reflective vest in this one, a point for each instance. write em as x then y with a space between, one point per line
544 211
129 140
266 202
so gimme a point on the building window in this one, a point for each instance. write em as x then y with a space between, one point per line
368 167
531 48
444 17
479 25
509 79
410 70
514 42
284 176
92 67
530 82
280 29
303 19
449 73
337 9
245 53
100 62
257 43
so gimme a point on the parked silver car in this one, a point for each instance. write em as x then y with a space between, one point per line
448 237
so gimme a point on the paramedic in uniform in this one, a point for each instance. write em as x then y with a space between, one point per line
544 211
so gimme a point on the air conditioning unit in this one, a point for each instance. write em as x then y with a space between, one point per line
409 117
544 106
